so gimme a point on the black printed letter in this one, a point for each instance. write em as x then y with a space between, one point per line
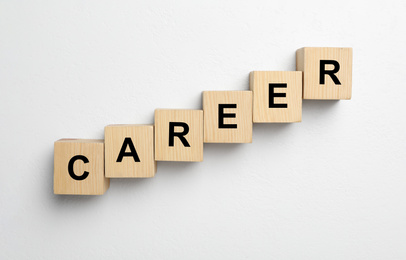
181 135
70 168
222 115
133 153
272 95
331 73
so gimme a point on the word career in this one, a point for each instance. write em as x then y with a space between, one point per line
84 167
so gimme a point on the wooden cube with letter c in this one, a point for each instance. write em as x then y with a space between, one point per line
327 72
129 151
227 116
178 135
79 167
277 96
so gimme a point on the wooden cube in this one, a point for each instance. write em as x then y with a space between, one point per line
129 151
277 96
227 116
79 167
179 135
327 72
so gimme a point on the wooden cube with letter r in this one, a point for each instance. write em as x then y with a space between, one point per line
129 151
79 167
327 72
227 116
178 135
277 96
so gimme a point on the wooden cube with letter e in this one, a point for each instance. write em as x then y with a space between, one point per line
327 72
129 151
79 167
277 96
227 116
178 135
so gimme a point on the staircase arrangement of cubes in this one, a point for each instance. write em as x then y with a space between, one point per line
84 167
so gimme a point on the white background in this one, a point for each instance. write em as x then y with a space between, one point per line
331 187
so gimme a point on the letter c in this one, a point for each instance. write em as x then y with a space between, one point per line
70 168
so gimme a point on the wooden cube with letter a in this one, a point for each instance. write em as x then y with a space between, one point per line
277 96
129 151
327 72
227 116
79 167
179 135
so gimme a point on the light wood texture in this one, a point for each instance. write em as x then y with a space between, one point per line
242 116
178 152
259 84
93 150
142 139
308 61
